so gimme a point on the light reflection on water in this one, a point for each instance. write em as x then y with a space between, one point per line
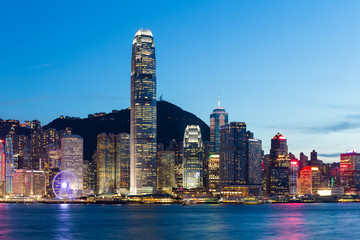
289 224
278 221
63 223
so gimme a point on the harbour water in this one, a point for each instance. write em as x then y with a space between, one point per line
268 221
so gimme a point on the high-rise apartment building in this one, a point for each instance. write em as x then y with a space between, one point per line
193 158
72 157
143 114
218 118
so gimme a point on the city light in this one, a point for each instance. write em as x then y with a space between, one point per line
324 192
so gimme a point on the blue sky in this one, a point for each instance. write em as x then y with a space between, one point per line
280 66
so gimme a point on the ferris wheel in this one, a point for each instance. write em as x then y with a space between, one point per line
65 185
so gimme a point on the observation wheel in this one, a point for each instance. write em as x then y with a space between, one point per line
65 185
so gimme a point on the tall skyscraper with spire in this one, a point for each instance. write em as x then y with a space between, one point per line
218 118
143 114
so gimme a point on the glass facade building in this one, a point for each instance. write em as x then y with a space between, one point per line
166 171
113 160
309 180
193 158
233 154
218 119
278 171
254 161
143 114
350 171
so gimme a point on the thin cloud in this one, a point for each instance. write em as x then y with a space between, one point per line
329 155
41 66
338 127
353 116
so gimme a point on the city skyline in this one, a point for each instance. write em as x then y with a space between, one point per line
287 73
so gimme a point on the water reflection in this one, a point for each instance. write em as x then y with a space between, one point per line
4 221
289 222
63 227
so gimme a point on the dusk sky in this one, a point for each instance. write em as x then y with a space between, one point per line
280 66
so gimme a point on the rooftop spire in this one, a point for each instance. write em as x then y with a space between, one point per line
219 102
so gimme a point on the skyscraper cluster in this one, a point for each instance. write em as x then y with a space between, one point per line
231 165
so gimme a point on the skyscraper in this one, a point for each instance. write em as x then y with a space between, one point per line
105 159
313 158
218 119
166 171
143 114
9 165
193 158
350 171
233 154
309 180
112 158
2 160
214 171
254 161
72 157
294 168
122 162
278 172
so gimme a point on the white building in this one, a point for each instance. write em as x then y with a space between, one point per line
72 157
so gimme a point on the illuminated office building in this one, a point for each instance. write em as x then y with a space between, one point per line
2 160
233 154
254 161
278 171
193 158
303 161
105 159
113 160
72 157
28 183
177 148
218 118
9 166
350 171
214 171
123 161
294 168
309 180
143 114
313 158
166 171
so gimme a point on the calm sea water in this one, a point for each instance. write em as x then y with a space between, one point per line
271 221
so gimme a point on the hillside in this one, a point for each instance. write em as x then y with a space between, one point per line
172 121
